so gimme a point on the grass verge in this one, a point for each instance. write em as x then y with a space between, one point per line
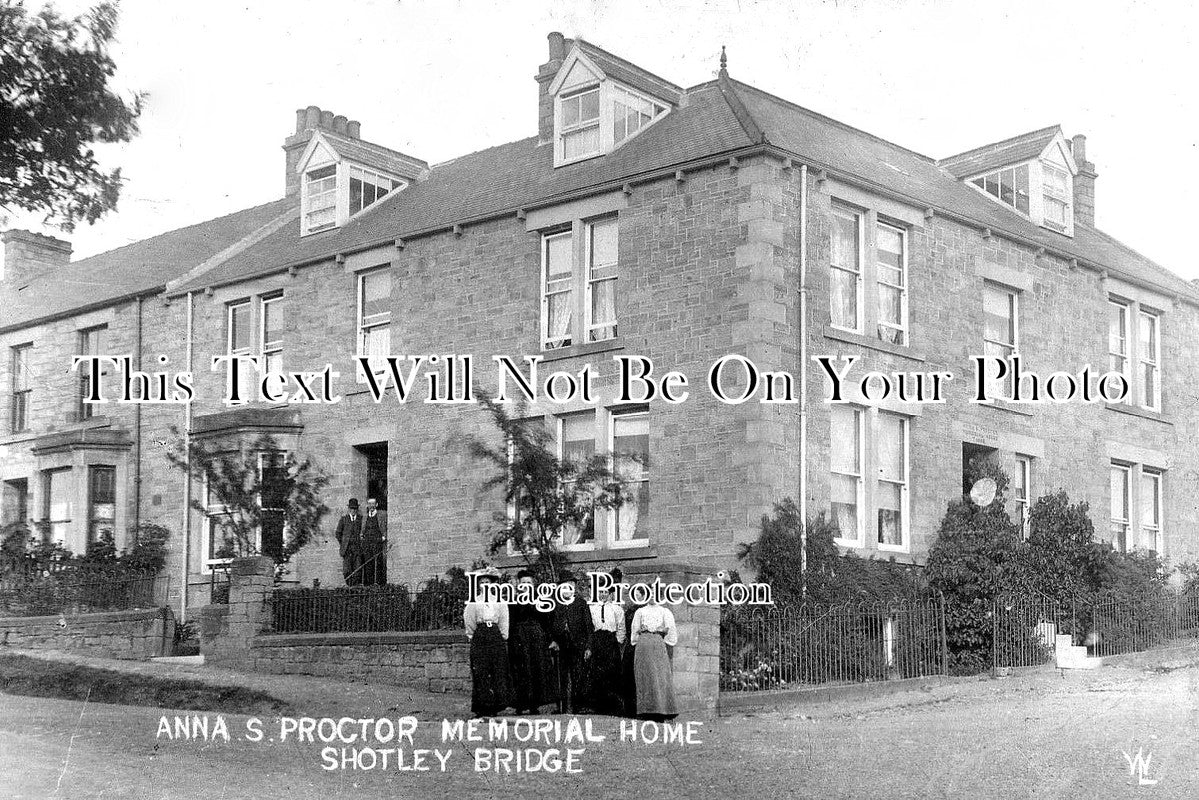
34 677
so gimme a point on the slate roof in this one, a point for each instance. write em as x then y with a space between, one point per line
627 73
373 154
141 267
495 180
1024 147
718 117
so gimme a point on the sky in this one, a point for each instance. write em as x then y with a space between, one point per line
438 79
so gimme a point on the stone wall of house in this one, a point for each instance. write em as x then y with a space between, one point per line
112 634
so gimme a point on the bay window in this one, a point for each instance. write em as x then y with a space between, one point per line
101 502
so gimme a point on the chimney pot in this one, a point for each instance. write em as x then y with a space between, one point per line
339 124
301 117
354 129
312 118
557 46
1078 146
326 119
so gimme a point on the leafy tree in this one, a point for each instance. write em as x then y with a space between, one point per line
1061 558
551 496
55 105
285 497
777 558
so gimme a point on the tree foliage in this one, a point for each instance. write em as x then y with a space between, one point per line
251 500
55 105
777 558
551 496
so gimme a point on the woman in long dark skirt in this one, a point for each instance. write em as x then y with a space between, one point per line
533 675
487 629
604 667
653 632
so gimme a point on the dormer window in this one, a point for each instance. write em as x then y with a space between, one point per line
1056 199
631 112
342 176
366 187
579 127
594 114
1008 186
320 199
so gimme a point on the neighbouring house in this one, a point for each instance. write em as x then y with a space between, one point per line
642 219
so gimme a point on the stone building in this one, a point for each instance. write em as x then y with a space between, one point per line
643 219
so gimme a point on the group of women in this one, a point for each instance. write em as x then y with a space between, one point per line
581 657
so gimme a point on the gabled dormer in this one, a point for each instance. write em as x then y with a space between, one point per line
336 174
1032 175
593 102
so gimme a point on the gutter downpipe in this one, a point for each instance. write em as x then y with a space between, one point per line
803 376
137 428
187 475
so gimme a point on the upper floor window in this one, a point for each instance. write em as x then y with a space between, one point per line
869 278
22 388
91 343
270 343
1008 186
1056 199
1001 331
847 269
1134 351
891 254
320 198
579 290
374 318
579 123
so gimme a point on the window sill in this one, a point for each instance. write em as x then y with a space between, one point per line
589 556
1009 407
1137 411
849 337
575 350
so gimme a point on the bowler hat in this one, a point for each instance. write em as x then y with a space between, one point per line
353 502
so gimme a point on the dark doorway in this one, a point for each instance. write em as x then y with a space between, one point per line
376 471
979 454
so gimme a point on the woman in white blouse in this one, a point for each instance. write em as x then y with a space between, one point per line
487 630
603 654
652 631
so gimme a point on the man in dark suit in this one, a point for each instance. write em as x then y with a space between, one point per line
374 544
349 539
570 632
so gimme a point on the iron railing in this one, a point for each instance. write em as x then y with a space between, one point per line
82 592
780 648
1025 627
381 608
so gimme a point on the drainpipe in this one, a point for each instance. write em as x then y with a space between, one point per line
187 475
137 428
803 376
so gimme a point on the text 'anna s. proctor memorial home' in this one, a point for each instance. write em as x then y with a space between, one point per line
641 219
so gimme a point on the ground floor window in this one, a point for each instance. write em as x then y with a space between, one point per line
1136 507
101 501
870 442
58 509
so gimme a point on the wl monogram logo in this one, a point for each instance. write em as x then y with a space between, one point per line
1138 767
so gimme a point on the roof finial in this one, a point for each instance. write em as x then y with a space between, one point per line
724 61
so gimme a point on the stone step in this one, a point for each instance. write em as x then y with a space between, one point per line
179 659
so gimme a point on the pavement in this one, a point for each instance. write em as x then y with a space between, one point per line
1126 730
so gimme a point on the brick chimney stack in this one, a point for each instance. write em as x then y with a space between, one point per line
545 76
29 255
310 119
1084 183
